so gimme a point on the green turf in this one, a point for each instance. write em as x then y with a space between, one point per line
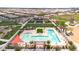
1 42
10 34
39 25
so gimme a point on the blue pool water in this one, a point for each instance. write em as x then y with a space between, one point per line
51 35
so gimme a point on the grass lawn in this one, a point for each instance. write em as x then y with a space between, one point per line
47 21
39 25
66 17
1 42
76 16
60 18
10 34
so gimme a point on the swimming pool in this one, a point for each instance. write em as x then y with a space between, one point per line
30 37
51 36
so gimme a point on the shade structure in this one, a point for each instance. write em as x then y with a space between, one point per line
16 40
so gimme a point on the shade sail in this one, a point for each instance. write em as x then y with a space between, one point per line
16 40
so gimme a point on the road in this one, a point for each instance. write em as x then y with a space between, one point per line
4 45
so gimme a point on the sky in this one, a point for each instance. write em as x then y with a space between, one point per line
39 3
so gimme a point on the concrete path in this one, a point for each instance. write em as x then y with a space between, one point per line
4 40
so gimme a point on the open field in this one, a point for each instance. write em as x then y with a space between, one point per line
75 36
66 17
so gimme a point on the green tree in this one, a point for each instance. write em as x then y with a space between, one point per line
71 46
48 46
17 48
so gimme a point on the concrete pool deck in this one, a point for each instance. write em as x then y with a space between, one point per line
33 32
45 33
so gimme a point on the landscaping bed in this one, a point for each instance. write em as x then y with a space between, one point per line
39 30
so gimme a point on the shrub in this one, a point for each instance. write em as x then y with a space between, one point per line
71 46
39 30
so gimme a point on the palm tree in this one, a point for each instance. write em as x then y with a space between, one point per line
69 31
26 46
44 45
48 42
48 46
31 42
33 45
17 48
71 46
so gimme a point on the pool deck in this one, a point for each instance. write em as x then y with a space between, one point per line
45 33
34 32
